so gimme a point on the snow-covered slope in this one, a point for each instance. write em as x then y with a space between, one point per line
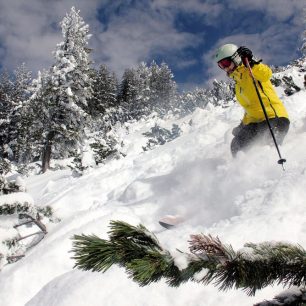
247 199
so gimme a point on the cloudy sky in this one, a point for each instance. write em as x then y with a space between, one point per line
184 34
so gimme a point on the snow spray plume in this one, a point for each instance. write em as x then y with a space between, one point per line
139 252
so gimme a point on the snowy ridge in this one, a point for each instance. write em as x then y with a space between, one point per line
249 199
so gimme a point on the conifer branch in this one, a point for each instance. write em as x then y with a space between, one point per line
93 253
139 252
134 248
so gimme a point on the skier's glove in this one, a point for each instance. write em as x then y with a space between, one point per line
244 53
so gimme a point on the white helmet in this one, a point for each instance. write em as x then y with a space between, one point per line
228 50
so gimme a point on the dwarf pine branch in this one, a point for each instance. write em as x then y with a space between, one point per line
210 261
134 248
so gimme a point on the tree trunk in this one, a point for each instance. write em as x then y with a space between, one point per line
46 155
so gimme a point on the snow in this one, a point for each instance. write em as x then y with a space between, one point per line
18 197
288 295
247 199
69 92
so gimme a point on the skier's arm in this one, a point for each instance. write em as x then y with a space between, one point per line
262 72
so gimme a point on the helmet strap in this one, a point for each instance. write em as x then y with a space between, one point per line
236 59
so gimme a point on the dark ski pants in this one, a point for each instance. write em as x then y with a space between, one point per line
245 135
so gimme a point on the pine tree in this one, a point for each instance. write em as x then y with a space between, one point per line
145 260
23 77
69 88
163 88
188 101
154 85
128 92
201 97
14 92
6 108
36 118
147 89
105 86
19 127
222 93
141 106
136 91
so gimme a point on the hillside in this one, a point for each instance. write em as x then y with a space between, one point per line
247 199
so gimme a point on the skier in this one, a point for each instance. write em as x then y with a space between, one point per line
253 126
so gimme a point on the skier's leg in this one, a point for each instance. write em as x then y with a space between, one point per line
280 127
243 138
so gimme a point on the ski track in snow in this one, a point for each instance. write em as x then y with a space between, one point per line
249 199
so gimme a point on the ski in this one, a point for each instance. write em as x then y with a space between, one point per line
170 221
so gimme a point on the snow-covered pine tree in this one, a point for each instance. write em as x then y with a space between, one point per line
36 117
69 89
222 92
162 87
6 108
128 92
5 167
153 81
142 106
13 94
22 80
147 89
188 101
19 121
201 98
105 87
8 186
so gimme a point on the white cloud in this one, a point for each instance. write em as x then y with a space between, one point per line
29 30
139 35
210 7
279 9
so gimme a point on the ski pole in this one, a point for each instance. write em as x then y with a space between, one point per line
281 160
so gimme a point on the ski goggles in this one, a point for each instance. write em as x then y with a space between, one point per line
225 63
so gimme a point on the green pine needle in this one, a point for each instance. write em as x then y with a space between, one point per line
93 253
137 235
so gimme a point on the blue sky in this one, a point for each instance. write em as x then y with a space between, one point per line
184 34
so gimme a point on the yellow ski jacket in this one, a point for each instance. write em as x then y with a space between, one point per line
247 96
